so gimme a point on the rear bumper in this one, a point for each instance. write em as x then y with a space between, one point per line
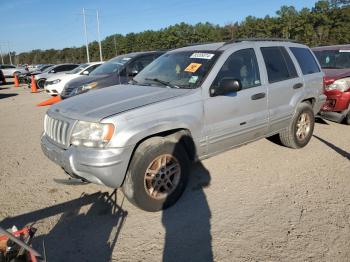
100 166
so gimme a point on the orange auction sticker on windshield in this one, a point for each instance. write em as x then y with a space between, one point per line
193 67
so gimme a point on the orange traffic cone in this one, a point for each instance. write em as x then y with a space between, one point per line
16 80
50 101
33 85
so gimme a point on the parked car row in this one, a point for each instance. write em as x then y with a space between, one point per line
55 83
187 105
119 70
10 70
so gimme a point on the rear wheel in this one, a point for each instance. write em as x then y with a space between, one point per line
300 130
157 174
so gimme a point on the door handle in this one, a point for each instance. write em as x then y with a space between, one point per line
297 86
258 96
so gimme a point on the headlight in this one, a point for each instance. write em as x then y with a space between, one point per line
340 84
91 134
54 82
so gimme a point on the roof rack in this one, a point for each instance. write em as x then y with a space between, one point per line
256 39
198 43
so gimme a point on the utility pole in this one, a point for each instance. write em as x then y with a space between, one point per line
115 46
86 38
98 35
8 44
2 58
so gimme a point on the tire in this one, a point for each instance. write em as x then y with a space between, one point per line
291 136
347 118
41 83
138 183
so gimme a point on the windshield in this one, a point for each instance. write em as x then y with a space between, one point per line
78 69
43 67
334 59
48 69
186 69
111 66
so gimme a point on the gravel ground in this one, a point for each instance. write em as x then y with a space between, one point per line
260 202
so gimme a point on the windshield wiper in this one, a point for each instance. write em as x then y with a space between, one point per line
132 82
164 83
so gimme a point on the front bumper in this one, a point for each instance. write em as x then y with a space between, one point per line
106 166
50 89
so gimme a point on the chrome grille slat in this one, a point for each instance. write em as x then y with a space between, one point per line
56 130
64 132
59 126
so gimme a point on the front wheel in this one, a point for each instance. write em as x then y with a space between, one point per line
300 130
41 83
157 174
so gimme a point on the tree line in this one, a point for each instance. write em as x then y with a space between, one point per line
326 23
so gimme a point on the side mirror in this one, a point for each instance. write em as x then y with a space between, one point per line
226 86
85 73
133 73
52 71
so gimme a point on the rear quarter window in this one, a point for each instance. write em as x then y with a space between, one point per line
306 60
278 64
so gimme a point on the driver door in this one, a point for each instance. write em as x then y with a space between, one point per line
236 118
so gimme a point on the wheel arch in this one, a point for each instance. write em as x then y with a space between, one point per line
177 135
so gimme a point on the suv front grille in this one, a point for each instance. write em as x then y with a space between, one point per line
56 129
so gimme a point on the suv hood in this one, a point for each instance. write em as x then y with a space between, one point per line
95 105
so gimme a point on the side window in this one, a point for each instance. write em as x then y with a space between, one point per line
306 60
91 68
140 63
278 63
57 69
241 65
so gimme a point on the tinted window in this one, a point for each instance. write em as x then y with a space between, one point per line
306 60
63 68
334 59
140 63
241 65
91 68
278 63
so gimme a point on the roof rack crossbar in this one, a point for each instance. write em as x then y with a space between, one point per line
259 39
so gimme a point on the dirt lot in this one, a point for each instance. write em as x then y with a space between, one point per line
260 202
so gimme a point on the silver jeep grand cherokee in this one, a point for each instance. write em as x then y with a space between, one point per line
187 105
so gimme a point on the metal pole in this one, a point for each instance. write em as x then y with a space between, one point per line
2 58
86 38
98 35
115 46
8 44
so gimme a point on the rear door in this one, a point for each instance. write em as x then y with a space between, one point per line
312 74
240 117
285 86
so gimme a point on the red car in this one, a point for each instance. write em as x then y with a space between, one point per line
335 63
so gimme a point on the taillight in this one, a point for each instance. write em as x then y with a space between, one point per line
327 81
342 84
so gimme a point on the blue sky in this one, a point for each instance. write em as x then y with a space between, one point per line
39 24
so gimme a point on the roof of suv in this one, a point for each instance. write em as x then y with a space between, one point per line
238 42
331 47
